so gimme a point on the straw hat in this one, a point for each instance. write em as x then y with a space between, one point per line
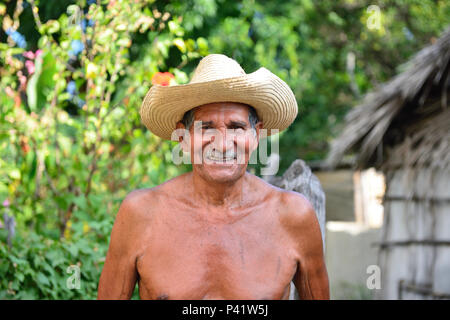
220 79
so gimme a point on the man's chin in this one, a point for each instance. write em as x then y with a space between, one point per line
222 172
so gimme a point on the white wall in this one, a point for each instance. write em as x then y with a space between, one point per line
349 252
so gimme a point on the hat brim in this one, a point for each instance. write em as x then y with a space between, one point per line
273 100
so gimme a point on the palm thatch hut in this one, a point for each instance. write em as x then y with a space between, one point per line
403 129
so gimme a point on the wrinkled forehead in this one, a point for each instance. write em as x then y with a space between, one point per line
222 111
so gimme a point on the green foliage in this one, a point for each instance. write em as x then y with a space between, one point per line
71 141
36 267
41 82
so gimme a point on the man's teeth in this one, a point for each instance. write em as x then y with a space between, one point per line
221 158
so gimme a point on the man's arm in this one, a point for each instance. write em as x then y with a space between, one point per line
119 274
311 278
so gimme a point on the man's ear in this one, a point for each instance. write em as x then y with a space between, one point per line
180 125
183 136
258 127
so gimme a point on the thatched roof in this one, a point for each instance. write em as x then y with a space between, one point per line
406 120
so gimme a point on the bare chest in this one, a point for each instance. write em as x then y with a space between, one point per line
188 259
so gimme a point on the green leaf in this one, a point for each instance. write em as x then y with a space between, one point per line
80 201
42 279
179 43
41 82
15 174
53 26
32 167
20 276
202 44
73 249
32 93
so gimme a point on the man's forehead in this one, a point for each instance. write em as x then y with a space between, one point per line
239 111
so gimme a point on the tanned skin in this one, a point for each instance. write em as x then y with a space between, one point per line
217 232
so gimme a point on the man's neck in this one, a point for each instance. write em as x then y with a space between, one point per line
225 195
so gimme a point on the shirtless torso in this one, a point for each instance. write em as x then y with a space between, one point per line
177 249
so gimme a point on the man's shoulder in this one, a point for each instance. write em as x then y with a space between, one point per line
298 213
136 197
263 187
135 205
286 198
294 212
145 199
294 207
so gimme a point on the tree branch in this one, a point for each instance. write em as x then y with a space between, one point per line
35 11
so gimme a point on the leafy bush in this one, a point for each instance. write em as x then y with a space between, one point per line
71 140
36 267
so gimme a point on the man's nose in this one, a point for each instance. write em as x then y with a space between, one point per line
223 141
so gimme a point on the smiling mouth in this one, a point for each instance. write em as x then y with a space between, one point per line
217 157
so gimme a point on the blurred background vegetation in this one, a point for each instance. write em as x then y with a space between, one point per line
73 75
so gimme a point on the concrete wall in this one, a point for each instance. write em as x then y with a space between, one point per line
339 193
354 216
349 252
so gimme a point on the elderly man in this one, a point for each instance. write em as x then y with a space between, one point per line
217 232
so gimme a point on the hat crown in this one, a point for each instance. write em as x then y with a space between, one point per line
216 67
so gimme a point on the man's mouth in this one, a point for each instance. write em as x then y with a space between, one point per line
214 156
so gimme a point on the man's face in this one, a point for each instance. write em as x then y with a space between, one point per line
222 143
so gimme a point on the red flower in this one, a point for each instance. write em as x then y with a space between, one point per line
163 78
24 144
